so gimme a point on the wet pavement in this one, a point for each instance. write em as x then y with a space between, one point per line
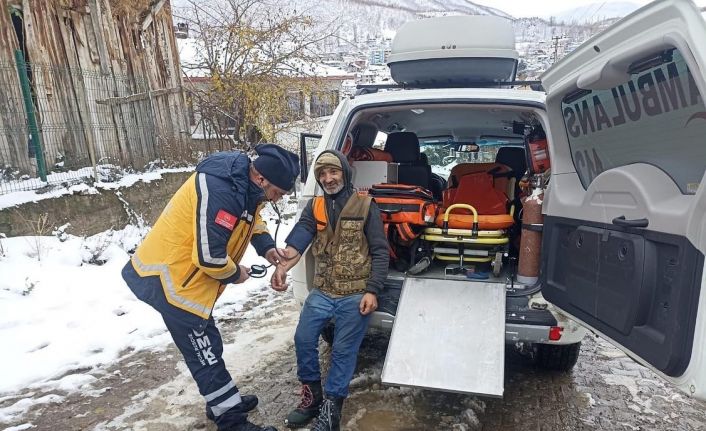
153 391
605 391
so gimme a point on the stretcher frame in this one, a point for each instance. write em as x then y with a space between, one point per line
493 242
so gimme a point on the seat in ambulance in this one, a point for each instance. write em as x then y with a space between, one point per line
404 148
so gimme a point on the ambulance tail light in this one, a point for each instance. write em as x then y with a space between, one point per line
555 333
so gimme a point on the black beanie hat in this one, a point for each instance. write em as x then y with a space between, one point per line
277 165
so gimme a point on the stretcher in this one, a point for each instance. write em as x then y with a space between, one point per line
471 238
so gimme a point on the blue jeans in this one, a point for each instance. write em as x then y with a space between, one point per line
349 332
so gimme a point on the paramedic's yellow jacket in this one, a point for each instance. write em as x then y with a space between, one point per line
195 246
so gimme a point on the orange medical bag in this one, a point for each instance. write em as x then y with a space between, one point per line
401 203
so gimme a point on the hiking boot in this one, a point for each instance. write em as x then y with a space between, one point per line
329 418
308 408
247 426
420 266
247 403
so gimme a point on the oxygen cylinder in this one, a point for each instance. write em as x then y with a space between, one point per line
531 238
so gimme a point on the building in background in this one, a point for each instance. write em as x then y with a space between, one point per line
379 50
213 129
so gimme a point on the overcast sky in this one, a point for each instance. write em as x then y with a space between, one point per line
544 8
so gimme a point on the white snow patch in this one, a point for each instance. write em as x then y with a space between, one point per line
611 352
66 319
589 399
22 406
641 405
20 427
145 177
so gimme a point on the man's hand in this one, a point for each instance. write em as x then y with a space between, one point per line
275 256
279 279
290 252
244 274
292 257
368 304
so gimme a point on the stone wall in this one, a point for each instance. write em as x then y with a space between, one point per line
91 214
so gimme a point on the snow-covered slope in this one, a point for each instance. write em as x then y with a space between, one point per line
362 27
596 12
393 7
360 20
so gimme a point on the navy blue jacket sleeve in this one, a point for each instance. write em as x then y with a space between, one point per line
262 242
233 278
217 213
304 230
379 250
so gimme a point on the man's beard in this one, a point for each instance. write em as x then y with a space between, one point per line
335 190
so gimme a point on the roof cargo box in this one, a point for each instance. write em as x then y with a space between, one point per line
454 51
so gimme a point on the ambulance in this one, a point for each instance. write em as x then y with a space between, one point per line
526 214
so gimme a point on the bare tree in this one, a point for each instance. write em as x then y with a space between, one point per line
260 60
40 227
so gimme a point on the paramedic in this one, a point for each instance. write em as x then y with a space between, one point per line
351 260
193 252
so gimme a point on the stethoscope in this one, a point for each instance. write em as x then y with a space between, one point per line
257 270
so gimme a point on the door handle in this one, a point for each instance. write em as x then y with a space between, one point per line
639 222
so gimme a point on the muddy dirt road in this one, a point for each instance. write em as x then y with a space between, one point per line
152 391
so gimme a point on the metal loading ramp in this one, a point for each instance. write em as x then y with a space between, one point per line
448 335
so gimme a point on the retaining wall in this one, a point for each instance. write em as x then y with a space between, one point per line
93 213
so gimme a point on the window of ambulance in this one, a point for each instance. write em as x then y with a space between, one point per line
444 152
657 117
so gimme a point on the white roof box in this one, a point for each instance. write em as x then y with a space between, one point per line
454 51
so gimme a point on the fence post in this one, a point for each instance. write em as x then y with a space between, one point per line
31 117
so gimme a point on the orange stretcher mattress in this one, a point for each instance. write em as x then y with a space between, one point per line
485 222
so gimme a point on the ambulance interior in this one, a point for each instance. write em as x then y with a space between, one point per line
477 164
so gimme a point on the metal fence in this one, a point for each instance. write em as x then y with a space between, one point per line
62 125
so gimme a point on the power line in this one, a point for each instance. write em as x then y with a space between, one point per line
597 10
585 12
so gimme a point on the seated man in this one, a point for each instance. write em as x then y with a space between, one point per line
351 260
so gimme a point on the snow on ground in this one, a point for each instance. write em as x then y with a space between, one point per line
63 315
264 334
21 197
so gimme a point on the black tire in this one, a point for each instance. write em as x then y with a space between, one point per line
327 333
556 357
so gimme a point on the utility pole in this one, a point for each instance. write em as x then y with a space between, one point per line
556 40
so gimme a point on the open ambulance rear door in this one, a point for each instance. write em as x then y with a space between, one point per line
625 212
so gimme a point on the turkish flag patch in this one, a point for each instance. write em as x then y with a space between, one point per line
226 219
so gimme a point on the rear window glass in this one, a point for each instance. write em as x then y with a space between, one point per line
443 157
657 117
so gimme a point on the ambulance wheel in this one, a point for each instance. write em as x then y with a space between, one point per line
497 264
556 357
327 333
